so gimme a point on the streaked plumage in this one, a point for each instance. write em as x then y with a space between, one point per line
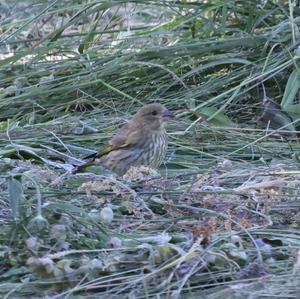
142 141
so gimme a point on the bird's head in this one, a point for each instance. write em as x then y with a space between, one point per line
154 115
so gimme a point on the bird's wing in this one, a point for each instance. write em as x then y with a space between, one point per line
126 136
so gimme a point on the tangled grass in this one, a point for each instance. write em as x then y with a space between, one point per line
221 216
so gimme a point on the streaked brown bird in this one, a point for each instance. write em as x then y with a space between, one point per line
142 141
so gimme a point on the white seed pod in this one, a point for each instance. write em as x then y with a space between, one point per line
107 215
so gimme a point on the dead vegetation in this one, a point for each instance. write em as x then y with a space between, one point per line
219 219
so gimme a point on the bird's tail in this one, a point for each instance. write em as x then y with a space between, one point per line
91 157
81 168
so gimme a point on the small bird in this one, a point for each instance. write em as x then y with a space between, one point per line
275 118
142 141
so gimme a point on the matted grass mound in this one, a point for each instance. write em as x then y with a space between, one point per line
219 219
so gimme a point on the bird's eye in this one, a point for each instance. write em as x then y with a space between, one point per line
154 112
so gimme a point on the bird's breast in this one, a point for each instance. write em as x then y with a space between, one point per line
157 148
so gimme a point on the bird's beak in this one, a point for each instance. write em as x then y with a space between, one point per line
167 114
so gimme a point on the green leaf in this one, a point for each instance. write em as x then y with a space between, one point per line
21 152
57 33
290 91
16 195
293 111
219 120
90 36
